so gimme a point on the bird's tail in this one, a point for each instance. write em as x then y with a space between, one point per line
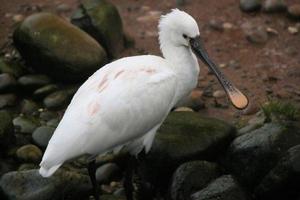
48 171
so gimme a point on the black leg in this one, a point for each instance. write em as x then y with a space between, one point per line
92 172
128 182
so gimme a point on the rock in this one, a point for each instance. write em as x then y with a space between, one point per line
30 185
252 155
39 39
29 107
18 18
180 2
293 30
96 18
282 182
271 6
12 69
219 94
48 115
53 122
6 128
227 26
294 11
29 153
44 91
25 124
27 166
191 177
7 83
257 35
254 123
33 81
111 197
252 108
7 100
57 100
223 188
216 25
63 8
184 136
250 5
42 135
107 172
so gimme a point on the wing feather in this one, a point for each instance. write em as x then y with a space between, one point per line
116 105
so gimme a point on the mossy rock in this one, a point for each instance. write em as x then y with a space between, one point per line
54 46
102 21
184 136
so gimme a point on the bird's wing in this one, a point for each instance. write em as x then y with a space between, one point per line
116 105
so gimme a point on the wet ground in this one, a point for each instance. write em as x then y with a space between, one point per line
268 70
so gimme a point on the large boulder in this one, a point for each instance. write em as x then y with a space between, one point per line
251 156
191 177
184 136
102 21
30 185
52 45
223 188
283 181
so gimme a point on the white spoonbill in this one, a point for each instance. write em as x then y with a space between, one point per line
125 102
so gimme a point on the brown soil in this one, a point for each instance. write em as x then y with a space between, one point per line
269 70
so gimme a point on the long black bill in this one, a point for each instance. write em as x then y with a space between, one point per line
238 99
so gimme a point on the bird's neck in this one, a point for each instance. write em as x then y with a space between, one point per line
184 63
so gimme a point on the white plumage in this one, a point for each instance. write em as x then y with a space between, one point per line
125 102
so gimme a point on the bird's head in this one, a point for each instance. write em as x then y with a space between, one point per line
178 28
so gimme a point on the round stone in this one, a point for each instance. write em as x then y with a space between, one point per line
42 135
29 153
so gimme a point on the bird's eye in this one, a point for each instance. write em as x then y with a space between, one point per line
184 36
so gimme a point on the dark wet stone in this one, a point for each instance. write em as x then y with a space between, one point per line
57 100
282 182
251 156
53 122
107 172
27 166
29 107
48 115
7 100
294 11
250 5
44 91
25 124
42 135
30 185
39 39
13 69
184 136
96 18
272 6
29 153
7 83
223 188
33 81
191 177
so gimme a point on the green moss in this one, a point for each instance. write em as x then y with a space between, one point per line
281 111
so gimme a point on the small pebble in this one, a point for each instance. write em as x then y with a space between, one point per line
292 30
219 94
